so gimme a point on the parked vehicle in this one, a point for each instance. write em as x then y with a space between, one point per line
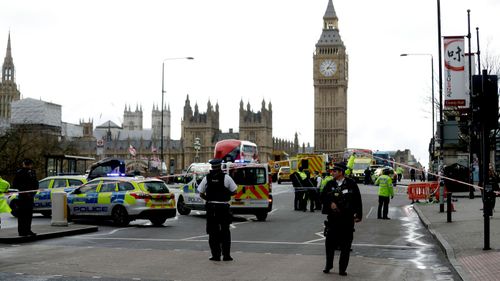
253 195
360 165
379 171
123 199
283 174
42 201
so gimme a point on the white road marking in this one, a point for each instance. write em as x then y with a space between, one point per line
243 242
371 209
320 234
194 237
107 233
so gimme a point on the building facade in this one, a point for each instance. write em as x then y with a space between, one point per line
257 127
204 126
140 146
330 71
8 87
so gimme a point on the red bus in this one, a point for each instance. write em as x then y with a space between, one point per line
236 151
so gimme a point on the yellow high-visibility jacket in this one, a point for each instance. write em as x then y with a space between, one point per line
385 186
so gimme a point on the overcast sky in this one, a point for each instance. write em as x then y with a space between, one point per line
94 57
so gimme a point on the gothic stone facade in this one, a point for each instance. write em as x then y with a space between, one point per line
8 87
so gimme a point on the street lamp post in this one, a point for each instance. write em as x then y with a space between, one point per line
162 102
197 147
432 94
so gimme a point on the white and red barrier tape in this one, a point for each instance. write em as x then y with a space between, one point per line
477 187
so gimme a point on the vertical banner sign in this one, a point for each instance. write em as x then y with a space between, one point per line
454 64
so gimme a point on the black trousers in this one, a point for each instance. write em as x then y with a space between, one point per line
339 237
25 214
383 203
298 202
368 179
312 196
219 237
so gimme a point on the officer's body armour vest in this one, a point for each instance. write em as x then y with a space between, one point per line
216 191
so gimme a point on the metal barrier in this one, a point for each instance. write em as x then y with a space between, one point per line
423 191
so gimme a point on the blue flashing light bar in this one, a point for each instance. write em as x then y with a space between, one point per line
116 174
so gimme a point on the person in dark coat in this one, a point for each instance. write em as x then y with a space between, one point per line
412 174
343 206
368 175
217 188
26 182
309 193
299 180
422 176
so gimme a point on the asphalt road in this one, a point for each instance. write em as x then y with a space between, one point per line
289 245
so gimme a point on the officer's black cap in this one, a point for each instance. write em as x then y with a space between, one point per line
215 162
27 161
339 166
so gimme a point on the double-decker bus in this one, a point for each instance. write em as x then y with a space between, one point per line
236 151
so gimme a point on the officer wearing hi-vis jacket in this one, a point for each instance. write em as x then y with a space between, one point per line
217 188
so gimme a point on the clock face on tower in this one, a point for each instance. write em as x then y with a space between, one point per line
327 68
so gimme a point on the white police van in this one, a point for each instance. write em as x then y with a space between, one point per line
253 195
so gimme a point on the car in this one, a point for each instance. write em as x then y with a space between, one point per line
123 199
107 167
42 201
378 172
253 194
283 174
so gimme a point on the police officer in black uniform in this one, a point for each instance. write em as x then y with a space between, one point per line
25 181
217 188
342 203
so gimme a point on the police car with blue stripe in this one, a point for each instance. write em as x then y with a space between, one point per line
123 199
42 201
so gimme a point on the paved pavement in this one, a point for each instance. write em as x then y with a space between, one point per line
10 235
462 239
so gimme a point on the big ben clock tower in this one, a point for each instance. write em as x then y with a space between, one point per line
330 88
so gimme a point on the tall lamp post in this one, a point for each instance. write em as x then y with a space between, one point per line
162 101
197 147
432 77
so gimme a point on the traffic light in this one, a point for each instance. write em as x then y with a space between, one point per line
484 100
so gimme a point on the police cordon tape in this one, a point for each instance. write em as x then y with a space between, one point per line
232 166
436 175
64 187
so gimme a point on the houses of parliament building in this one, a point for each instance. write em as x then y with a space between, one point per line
141 146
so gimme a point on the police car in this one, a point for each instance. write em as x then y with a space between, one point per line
253 195
42 201
123 199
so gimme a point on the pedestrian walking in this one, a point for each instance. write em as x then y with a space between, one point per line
217 188
412 175
385 191
343 206
26 182
4 207
422 177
